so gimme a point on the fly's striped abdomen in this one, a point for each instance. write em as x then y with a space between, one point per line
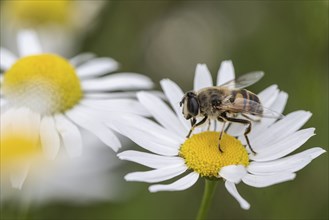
251 102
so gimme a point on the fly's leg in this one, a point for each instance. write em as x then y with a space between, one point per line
194 125
193 121
247 139
247 131
209 123
251 119
220 136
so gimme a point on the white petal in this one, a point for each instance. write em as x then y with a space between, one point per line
277 106
233 173
3 104
81 58
181 184
282 147
70 134
157 175
268 95
161 112
118 81
150 160
233 191
21 116
264 181
28 43
225 72
35 120
281 129
97 67
159 94
148 141
116 105
18 176
166 136
94 126
118 95
313 152
289 164
109 95
49 137
22 121
7 59
202 77
13 115
280 103
175 95
6 120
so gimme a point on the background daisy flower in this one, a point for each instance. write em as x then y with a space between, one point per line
91 177
66 95
61 25
172 155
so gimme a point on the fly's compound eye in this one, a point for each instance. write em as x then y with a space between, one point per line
193 106
190 105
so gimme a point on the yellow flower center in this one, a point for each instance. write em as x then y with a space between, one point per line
201 153
45 83
16 148
35 12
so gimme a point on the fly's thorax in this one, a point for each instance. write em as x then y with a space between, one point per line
209 98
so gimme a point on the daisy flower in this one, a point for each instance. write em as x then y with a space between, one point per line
60 24
66 95
91 177
172 155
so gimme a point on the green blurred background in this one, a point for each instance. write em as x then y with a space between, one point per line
288 40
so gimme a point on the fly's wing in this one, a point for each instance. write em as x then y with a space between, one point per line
250 108
244 80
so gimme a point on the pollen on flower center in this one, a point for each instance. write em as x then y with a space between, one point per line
202 155
46 83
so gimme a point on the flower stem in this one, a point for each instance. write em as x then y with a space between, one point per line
209 189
